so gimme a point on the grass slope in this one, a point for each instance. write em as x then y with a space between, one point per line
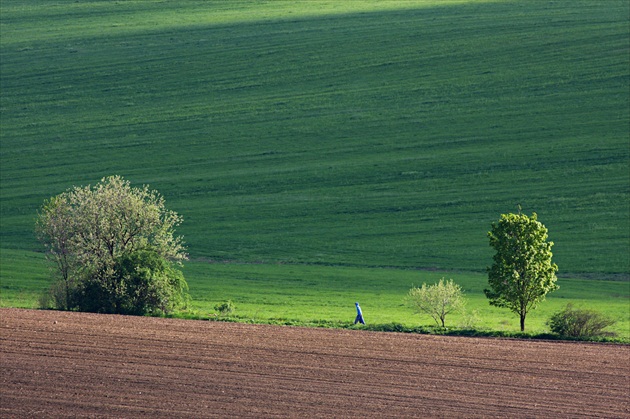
366 133
325 295
361 134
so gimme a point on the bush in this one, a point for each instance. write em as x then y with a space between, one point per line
141 283
225 308
470 320
580 323
54 297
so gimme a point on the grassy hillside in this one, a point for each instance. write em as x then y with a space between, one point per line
364 133
324 295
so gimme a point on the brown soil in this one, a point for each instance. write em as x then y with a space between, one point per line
84 365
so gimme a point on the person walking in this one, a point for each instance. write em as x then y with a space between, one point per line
359 318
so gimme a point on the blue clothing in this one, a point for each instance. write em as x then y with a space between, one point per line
359 318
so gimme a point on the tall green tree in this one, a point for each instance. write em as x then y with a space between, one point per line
114 249
522 273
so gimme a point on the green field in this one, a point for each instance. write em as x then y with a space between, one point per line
340 139
324 295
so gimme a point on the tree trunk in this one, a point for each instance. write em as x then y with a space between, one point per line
522 322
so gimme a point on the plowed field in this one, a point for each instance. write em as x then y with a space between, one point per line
84 365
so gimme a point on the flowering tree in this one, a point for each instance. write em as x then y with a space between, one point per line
437 300
113 248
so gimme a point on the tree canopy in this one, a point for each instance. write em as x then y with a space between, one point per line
522 273
437 300
114 249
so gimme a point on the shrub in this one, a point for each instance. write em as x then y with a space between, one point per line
470 320
225 308
579 323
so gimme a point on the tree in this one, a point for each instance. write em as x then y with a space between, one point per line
522 273
114 249
53 228
437 300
